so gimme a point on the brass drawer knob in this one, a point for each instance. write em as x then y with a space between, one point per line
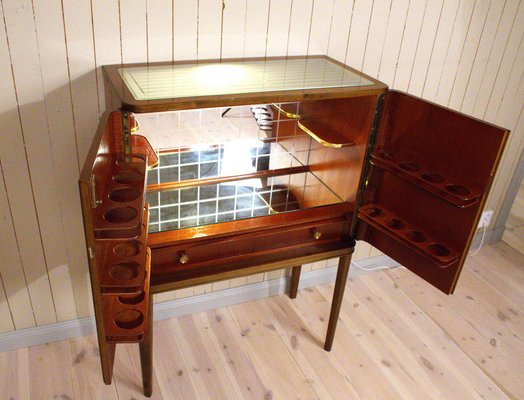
184 259
317 234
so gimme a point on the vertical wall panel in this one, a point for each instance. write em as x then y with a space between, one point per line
185 28
484 49
28 85
461 29
16 298
394 36
321 24
106 32
377 33
500 54
468 54
278 30
84 93
409 45
209 29
49 26
358 34
159 30
448 17
467 57
133 26
16 186
340 27
234 28
425 45
299 27
257 18
6 323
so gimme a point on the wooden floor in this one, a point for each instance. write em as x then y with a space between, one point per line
398 338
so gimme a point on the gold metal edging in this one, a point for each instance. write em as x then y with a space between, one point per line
318 139
287 114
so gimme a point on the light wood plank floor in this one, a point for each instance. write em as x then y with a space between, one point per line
398 338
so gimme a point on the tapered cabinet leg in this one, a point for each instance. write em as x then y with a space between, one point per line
295 279
107 358
146 353
340 285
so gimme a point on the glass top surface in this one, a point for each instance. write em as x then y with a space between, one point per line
157 82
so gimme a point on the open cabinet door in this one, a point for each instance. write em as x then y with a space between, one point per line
431 170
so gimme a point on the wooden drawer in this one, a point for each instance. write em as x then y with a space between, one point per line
209 252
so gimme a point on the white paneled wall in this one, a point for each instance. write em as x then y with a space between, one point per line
464 54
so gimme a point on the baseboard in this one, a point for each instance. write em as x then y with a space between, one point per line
169 309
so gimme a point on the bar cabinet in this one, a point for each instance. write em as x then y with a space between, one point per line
211 170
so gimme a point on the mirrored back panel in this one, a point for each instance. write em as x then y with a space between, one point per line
222 164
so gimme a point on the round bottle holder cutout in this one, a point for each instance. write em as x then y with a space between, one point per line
395 223
432 177
416 236
458 190
438 249
129 319
124 271
124 195
134 299
128 176
128 248
120 215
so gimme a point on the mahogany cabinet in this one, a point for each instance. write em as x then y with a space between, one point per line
203 171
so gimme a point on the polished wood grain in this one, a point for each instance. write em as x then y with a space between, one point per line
431 175
295 280
405 339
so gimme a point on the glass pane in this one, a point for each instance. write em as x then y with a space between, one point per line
206 79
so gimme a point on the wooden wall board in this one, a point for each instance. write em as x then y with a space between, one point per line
185 30
84 93
341 20
106 36
159 30
451 18
376 36
209 31
17 301
358 35
467 57
506 40
410 43
482 55
394 37
59 112
300 27
321 24
426 42
461 29
278 28
257 19
38 260
234 28
133 27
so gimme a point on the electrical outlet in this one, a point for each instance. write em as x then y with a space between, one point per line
485 219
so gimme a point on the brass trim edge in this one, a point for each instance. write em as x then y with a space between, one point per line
287 114
320 140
